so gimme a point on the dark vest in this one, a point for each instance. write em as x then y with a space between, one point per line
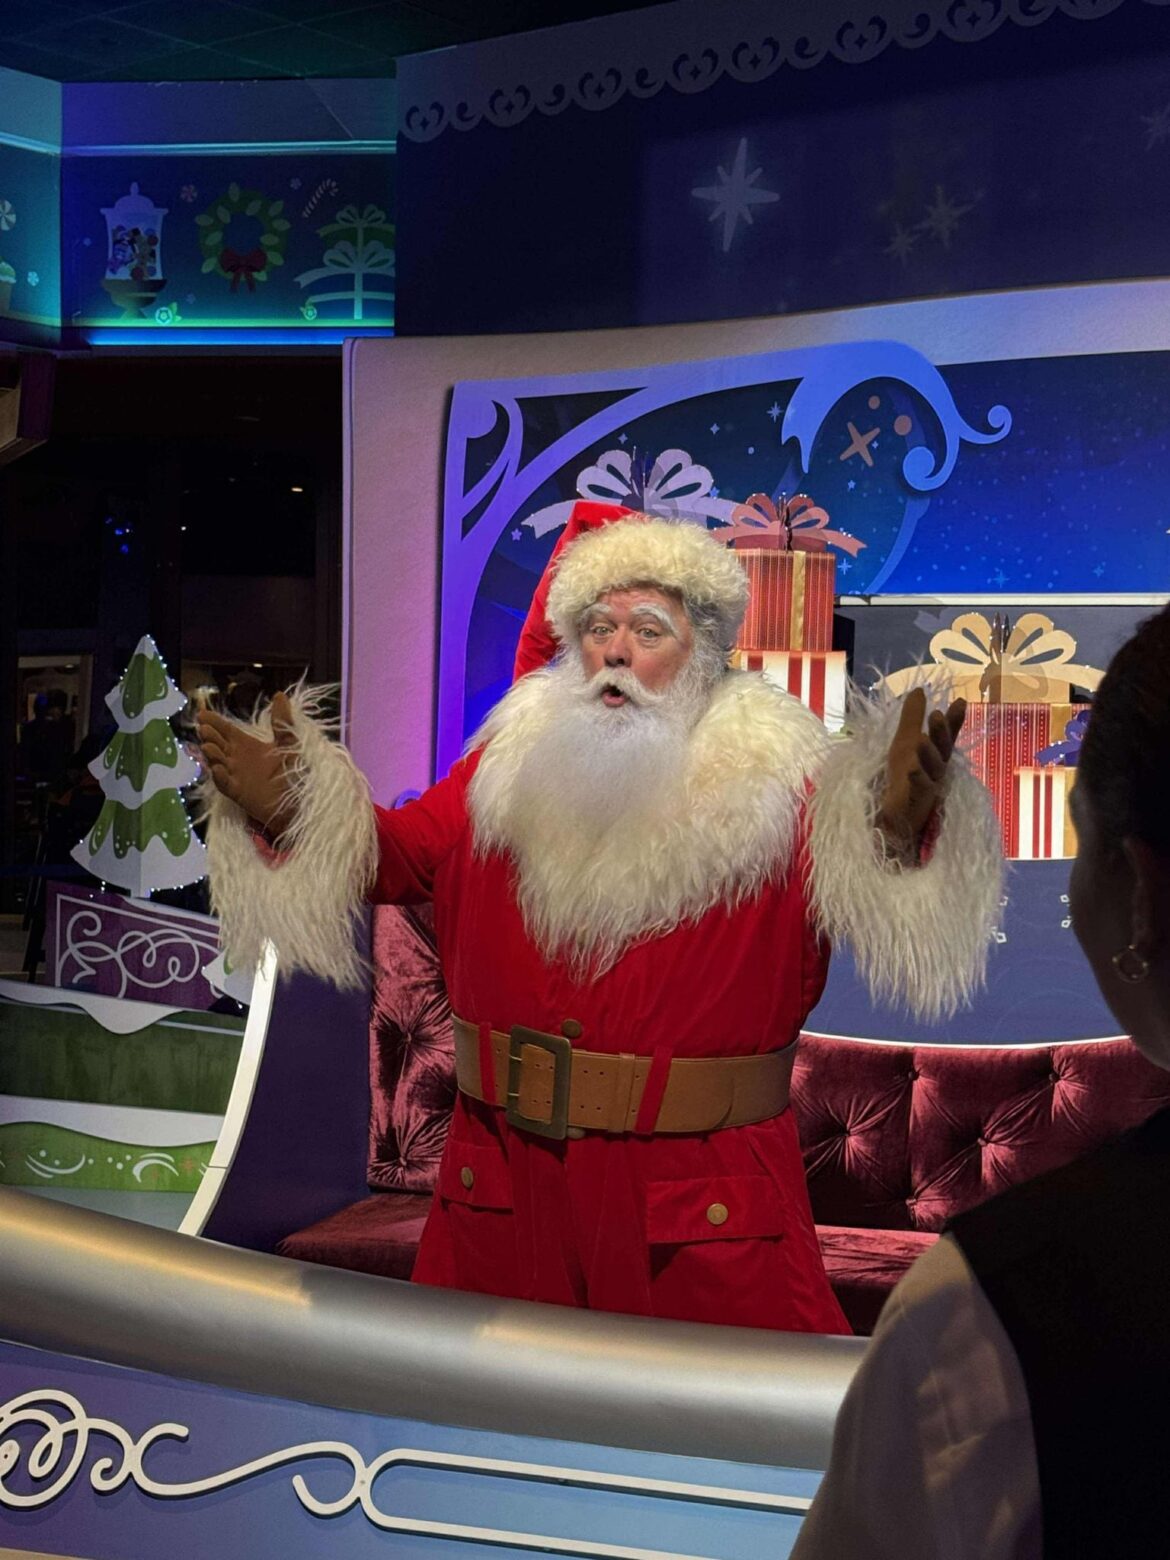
1077 1266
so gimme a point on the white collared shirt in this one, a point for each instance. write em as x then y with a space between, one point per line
933 1453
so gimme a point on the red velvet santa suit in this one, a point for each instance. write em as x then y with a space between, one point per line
618 1222
712 899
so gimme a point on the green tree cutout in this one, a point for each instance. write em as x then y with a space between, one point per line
143 839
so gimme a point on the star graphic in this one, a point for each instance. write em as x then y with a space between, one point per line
714 492
774 410
734 196
902 241
942 218
516 535
859 445
623 438
1099 570
1157 127
851 484
714 427
999 578
844 565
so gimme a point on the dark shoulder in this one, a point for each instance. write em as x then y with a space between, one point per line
1119 1192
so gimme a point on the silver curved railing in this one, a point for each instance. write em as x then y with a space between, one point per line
87 1284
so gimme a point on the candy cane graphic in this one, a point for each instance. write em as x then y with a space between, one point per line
326 187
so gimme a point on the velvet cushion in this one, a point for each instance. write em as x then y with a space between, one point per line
412 1053
864 1265
378 1235
905 1137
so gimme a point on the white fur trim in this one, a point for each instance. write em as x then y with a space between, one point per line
308 904
748 761
919 934
641 550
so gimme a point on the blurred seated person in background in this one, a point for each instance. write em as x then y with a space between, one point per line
46 741
1013 1402
631 892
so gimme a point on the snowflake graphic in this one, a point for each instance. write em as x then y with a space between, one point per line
942 218
774 410
188 193
34 279
294 184
1157 127
734 196
902 241
190 298
7 216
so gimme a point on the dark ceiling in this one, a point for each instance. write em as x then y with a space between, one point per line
215 40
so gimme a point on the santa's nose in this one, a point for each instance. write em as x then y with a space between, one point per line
617 651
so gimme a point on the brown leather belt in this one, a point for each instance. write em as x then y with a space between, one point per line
548 1087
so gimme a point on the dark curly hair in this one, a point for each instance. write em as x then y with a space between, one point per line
1125 760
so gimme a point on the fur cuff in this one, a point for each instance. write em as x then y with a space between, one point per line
308 902
919 934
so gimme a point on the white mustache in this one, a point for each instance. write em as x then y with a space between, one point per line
624 680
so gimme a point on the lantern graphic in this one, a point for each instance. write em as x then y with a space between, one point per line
134 275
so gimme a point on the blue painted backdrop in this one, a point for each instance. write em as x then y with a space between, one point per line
680 164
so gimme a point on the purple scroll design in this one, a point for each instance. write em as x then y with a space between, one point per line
124 952
473 520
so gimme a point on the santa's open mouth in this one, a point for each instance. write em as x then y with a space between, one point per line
612 696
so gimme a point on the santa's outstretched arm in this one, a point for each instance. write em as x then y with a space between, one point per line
291 838
917 907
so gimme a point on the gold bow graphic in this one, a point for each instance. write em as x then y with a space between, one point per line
1030 662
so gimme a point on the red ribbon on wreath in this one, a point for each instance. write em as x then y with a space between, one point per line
798 525
244 267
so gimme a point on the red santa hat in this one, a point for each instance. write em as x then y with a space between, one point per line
605 547
537 645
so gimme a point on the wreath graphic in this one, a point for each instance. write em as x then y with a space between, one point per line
215 239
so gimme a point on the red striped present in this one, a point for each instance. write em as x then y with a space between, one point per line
791 602
1001 739
1042 824
817 679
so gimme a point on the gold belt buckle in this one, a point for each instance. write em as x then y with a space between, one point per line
561 1051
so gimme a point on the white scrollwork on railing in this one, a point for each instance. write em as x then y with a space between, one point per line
163 956
45 1436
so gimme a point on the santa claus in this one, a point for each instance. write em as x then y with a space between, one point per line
636 871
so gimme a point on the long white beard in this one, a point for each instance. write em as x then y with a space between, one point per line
596 807
594 771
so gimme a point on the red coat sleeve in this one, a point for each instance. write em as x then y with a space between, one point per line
413 840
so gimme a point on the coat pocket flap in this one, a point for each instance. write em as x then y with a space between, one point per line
721 1207
476 1175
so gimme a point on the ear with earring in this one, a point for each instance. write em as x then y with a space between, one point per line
1131 966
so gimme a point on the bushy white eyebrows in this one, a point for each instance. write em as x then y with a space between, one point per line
641 609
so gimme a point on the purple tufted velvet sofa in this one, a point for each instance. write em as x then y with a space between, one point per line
897 1139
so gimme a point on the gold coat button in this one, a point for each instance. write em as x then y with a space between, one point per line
467 1176
717 1214
572 1029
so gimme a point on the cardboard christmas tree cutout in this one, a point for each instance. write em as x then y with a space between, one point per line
142 839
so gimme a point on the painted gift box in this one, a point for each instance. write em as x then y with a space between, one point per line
1043 827
785 550
994 661
816 678
1000 740
791 601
